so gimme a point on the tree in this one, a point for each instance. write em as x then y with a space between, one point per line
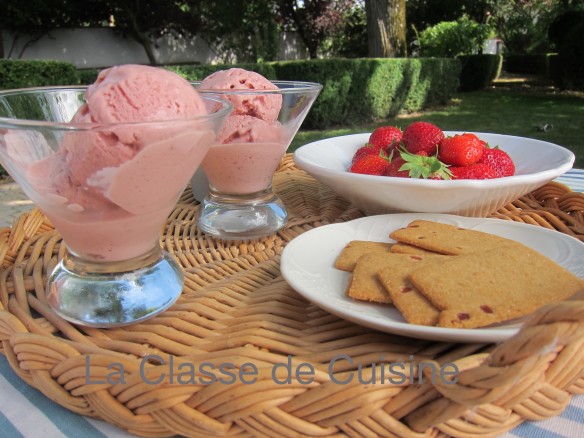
141 20
351 42
36 18
448 39
314 20
523 24
248 29
425 13
386 28
144 20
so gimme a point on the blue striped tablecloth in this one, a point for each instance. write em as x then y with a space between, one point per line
25 412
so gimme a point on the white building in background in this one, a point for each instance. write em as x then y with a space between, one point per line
103 47
493 46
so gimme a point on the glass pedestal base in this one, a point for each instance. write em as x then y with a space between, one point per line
114 294
242 217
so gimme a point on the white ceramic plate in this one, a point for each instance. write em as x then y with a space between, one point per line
537 162
307 264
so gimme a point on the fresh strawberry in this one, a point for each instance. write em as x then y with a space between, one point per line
461 150
422 137
394 168
417 166
384 137
370 165
363 151
474 171
499 160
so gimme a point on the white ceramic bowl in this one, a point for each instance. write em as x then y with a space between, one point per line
537 162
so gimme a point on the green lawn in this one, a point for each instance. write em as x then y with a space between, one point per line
498 111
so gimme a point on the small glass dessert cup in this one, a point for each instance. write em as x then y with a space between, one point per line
240 204
114 271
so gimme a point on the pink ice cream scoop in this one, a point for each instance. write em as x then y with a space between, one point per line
137 93
251 141
264 106
128 93
248 129
119 169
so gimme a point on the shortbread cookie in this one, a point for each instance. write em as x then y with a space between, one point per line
364 284
414 307
447 239
484 288
356 248
404 248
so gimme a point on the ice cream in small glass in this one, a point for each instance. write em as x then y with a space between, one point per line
106 164
240 204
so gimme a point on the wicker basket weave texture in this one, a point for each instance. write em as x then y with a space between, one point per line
236 309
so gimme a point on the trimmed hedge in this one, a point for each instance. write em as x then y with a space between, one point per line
527 64
358 90
567 71
200 72
478 71
22 74
354 90
366 90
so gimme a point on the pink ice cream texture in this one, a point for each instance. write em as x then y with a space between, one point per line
110 189
251 140
263 106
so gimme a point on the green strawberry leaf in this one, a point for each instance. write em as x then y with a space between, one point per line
419 166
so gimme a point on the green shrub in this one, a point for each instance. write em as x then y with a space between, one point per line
567 71
354 90
24 74
452 38
88 76
535 64
478 71
199 72
367 90
567 33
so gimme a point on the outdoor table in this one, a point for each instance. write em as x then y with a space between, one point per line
218 275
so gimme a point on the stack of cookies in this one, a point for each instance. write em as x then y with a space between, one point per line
441 275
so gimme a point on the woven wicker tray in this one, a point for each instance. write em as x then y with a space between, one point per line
237 309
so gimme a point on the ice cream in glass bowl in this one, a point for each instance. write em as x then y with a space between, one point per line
106 164
240 203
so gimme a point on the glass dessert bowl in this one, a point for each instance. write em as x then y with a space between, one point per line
108 188
240 204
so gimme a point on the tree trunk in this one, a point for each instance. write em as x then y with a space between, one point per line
145 42
138 35
386 28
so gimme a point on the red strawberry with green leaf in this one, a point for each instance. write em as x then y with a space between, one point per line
461 150
474 171
394 168
384 137
417 166
370 165
499 160
422 137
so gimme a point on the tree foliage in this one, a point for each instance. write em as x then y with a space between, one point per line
452 38
141 20
248 31
351 42
36 18
523 24
314 20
